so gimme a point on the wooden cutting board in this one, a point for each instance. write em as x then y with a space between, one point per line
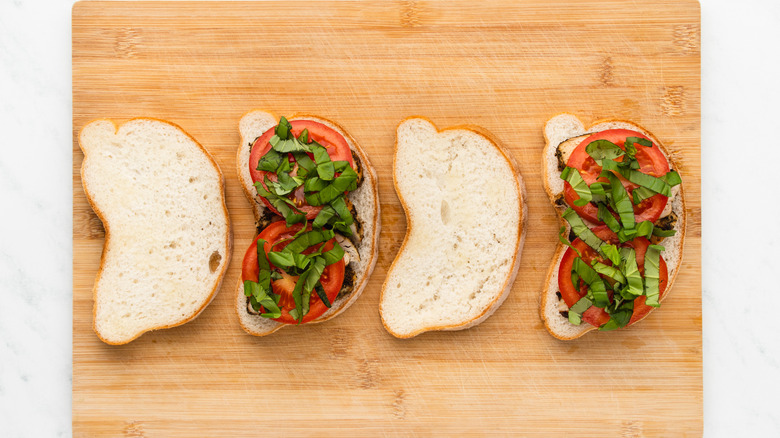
506 66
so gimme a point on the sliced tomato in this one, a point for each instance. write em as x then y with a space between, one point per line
277 236
596 316
651 161
334 142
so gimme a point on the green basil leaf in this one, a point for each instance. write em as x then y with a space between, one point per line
652 275
611 252
575 312
309 239
645 229
609 271
620 197
283 128
340 206
270 161
581 230
323 296
574 178
626 234
262 261
287 183
304 136
305 164
605 216
598 291
619 317
281 259
564 240
650 182
672 178
260 297
663 233
601 149
345 182
639 194
333 255
631 272
323 217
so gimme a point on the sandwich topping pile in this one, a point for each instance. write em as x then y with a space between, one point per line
612 273
295 269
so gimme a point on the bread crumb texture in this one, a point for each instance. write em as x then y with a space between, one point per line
462 201
161 199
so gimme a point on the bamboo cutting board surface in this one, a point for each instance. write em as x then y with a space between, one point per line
505 66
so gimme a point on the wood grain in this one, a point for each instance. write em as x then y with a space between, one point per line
503 65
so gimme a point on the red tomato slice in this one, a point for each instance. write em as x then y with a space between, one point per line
277 236
651 161
596 316
335 143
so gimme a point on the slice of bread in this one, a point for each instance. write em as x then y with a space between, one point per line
464 201
168 243
563 133
365 200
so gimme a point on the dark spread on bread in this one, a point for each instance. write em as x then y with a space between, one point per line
558 294
559 156
667 222
560 201
357 229
358 167
564 313
349 282
266 217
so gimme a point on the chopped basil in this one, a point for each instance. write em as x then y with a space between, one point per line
562 238
639 194
575 312
619 317
323 296
573 177
663 233
601 149
581 230
259 297
605 216
611 252
620 198
609 271
645 229
597 290
281 259
652 274
672 178
630 270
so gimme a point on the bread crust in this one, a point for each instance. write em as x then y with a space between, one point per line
362 280
106 226
680 226
507 286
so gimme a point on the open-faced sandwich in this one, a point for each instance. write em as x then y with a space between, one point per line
464 202
314 196
623 212
161 198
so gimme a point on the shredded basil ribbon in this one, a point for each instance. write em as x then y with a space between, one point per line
575 312
652 274
631 272
573 177
581 230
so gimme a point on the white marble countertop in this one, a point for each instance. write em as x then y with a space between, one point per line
740 74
